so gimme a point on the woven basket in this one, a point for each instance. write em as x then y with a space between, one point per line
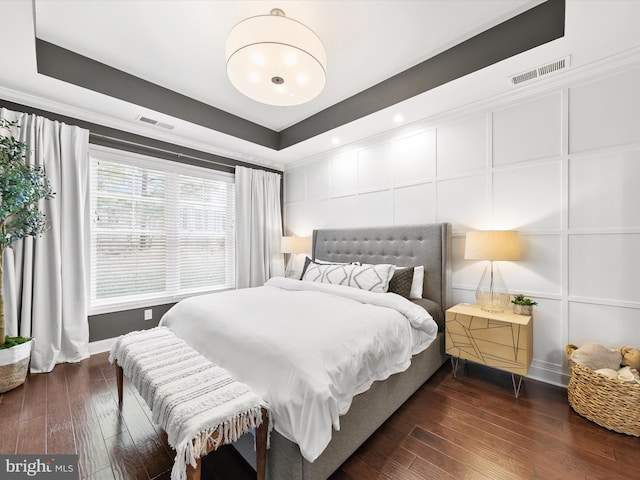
14 364
12 376
606 401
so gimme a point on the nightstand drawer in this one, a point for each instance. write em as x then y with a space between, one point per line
500 340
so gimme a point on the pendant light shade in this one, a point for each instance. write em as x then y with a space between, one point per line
276 60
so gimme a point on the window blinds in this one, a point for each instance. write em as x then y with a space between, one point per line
159 230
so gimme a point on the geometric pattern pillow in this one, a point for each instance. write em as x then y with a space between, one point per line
308 261
401 282
374 278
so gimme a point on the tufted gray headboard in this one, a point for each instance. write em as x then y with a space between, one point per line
404 246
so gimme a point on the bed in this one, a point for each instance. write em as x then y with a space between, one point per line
408 246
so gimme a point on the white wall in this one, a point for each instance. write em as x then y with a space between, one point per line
561 165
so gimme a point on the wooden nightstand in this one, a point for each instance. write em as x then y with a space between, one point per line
500 340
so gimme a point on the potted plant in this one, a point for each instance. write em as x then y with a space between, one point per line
21 187
522 305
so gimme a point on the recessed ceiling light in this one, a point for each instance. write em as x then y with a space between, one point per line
398 118
335 140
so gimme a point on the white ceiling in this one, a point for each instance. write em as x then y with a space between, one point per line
180 45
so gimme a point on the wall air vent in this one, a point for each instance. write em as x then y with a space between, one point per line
541 71
154 122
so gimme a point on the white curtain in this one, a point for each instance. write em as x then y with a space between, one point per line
258 227
45 289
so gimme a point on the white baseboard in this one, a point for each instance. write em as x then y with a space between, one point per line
101 346
548 374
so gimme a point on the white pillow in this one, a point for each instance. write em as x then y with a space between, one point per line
374 278
416 284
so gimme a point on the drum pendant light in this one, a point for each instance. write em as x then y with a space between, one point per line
276 60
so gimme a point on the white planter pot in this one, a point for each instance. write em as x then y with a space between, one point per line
523 309
14 365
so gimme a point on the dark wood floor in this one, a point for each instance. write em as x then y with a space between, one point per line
469 427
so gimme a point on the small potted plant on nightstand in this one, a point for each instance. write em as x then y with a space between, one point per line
522 305
21 187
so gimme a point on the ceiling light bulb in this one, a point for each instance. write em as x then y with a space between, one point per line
335 140
286 55
290 58
398 118
258 59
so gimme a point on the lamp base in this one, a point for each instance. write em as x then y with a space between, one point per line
492 294
494 307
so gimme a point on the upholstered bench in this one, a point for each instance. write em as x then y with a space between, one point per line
197 403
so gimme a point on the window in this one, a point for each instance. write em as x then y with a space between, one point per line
160 230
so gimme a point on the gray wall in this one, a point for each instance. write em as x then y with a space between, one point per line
114 324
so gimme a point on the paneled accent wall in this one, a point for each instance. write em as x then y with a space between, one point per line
561 165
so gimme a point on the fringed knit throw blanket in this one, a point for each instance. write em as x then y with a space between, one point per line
190 397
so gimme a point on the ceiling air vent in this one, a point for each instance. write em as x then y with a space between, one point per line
152 121
541 71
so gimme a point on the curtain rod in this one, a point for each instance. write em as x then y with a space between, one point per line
178 155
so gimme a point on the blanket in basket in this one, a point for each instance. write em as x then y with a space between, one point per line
190 398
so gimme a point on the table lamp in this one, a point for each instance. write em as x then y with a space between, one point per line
293 246
492 245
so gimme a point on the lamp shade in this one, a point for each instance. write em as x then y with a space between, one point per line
492 245
276 60
295 245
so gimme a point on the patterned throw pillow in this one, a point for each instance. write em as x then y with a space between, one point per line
401 282
308 261
374 278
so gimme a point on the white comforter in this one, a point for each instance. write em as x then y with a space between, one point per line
306 348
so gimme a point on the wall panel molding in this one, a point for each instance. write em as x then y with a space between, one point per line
479 195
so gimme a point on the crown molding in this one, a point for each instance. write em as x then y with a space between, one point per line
574 76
